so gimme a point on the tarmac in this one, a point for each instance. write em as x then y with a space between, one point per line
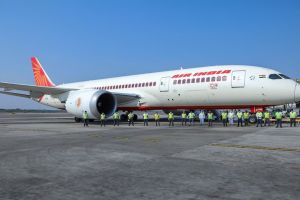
48 156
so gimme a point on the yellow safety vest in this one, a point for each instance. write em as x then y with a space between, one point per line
293 115
146 116
267 115
246 115
85 115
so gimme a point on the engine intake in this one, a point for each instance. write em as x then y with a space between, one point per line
94 102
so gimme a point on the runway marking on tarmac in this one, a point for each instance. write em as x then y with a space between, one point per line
153 140
256 147
124 138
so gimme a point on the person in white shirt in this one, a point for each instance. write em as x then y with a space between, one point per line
231 117
201 117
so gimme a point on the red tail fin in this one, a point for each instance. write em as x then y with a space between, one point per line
40 76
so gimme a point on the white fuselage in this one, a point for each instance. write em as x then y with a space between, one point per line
213 87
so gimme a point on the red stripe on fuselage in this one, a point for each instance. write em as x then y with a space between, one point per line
190 107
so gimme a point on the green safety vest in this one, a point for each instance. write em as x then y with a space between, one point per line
171 116
146 116
130 116
85 115
191 115
239 115
293 115
246 115
267 115
102 116
224 115
156 117
210 116
278 115
116 116
183 115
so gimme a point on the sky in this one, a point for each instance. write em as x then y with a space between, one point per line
78 40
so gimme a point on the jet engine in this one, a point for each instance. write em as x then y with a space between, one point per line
94 102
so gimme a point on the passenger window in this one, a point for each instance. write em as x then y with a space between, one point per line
150 84
183 81
219 78
208 79
188 80
202 80
146 84
224 78
284 76
213 79
154 83
179 82
198 80
174 82
143 85
193 80
274 76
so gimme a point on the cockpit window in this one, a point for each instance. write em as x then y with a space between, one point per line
284 76
274 76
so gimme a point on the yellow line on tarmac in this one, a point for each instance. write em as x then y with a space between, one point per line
255 147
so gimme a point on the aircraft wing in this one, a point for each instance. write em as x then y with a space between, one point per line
37 91
34 89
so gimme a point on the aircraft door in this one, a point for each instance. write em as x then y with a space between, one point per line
238 79
164 84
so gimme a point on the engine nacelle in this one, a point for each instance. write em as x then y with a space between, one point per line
94 102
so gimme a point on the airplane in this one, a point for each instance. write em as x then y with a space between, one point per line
206 88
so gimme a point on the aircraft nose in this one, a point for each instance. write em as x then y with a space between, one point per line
297 93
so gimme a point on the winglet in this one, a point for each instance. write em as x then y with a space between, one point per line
40 76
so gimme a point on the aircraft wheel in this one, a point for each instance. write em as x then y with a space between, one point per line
77 120
252 119
124 117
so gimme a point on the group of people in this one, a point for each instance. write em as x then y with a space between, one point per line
227 117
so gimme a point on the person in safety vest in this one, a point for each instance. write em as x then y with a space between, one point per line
278 116
246 115
239 115
145 117
210 117
183 118
171 119
224 116
130 119
116 118
191 118
157 119
267 118
259 117
293 116
102 119
85 117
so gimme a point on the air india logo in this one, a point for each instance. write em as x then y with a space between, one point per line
78 102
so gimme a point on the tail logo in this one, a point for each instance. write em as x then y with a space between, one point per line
40 76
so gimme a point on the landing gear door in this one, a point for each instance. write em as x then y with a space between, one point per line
164 84
238 79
